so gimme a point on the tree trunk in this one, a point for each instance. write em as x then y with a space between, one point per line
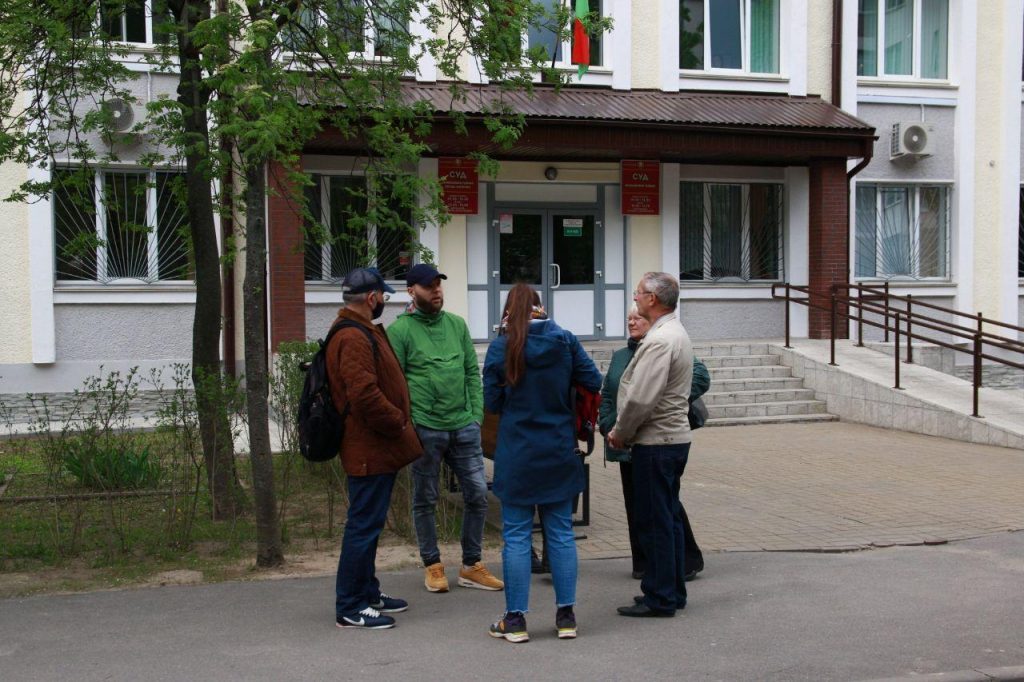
268 532
214 425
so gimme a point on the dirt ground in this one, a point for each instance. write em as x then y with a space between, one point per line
78 576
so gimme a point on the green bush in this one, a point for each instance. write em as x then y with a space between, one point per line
108 467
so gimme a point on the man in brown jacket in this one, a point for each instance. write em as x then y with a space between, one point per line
379 440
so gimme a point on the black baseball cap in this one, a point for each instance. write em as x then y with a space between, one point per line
423 274
364 280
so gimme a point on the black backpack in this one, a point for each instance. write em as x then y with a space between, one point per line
321 428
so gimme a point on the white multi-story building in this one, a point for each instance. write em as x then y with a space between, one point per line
737 143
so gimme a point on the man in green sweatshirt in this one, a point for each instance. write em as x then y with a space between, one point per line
440 365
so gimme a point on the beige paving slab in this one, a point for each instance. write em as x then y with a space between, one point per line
826 487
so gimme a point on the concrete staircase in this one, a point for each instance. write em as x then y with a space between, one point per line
749 385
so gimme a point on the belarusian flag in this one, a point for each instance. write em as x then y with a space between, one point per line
580 39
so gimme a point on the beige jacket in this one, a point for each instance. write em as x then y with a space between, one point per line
654 391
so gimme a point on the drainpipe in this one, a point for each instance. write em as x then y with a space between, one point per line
837 53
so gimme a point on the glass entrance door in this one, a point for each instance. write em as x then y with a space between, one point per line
555 252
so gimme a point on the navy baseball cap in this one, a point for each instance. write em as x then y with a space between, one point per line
423 274
364 280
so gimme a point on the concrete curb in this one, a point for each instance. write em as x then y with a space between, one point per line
1008 674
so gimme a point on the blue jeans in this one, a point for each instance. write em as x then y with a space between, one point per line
560 550
357 586
658 514
462 452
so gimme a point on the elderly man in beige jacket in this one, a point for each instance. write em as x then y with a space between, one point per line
652 421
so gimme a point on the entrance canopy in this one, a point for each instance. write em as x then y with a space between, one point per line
592 124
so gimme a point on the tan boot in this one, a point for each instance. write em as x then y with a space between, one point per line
479 577
435 579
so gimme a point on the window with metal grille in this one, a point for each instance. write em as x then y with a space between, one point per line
345 237
119 225
902 231
731 232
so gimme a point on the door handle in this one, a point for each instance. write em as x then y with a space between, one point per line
558 276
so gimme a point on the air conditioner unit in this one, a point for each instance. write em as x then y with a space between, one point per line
123 117
911 140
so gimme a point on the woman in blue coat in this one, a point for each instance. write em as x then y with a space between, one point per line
528 377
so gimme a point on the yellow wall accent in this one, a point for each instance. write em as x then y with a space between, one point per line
452 262
528 171
819 50
644 248
992 26
646 45
15 304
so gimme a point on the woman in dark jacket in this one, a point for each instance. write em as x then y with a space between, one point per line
528 376
638 327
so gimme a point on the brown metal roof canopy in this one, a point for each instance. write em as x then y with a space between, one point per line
580 123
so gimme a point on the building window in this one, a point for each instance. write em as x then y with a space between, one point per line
912 37
133 21
347 238
735 35
730 232
542 34
116 226
902 231
377 30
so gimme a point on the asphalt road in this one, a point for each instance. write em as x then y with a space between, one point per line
752 616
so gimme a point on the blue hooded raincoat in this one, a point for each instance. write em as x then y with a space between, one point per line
535 460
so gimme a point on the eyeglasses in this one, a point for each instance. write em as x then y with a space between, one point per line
384 296
637 292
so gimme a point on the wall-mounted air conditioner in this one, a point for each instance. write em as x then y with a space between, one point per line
123 116
913 140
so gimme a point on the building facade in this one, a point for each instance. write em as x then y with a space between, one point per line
760 134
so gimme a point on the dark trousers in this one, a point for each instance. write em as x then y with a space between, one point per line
357 586
694 557
658 514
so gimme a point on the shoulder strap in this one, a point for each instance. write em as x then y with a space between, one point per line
349 323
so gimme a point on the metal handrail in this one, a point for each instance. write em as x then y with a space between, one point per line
879 301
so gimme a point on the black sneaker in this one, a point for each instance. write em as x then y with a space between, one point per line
368 619
386 604
565 621
511 626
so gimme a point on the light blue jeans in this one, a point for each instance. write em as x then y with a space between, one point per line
517 528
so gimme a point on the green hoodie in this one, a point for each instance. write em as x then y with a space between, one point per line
441 368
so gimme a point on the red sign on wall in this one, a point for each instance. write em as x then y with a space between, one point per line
641 187
459 184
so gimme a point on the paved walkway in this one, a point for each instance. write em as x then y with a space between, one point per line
825 487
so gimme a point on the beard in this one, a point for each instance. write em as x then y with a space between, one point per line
426 304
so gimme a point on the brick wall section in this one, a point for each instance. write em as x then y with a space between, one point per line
828 243
287 274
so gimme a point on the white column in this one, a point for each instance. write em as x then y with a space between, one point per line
622 44
41 272
795 57
669 44
670 218
798 225
1010 163
426 68
962 239
430 235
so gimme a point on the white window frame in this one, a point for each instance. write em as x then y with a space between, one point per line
745 33
148 18
152 235
706 245
370 39
915 232
324 179
565 63
915 75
